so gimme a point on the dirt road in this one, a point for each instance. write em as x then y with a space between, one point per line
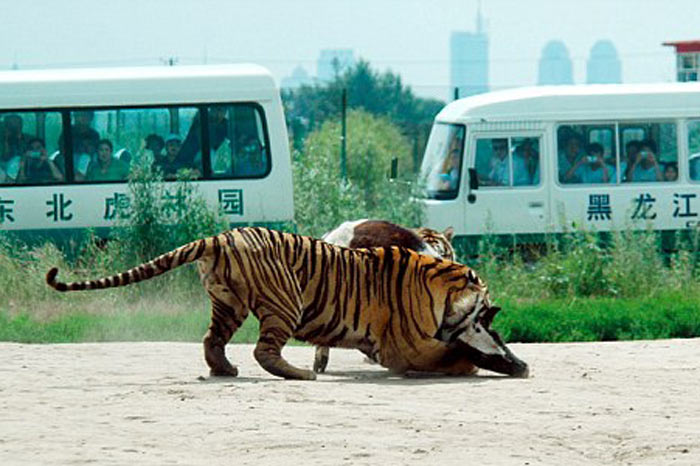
153 403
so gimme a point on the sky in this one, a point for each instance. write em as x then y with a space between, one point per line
408 37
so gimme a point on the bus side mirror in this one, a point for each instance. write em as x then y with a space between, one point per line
473 185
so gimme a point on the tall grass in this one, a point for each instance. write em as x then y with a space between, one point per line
624 264
579 290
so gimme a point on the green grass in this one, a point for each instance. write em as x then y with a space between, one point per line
82 327
673 315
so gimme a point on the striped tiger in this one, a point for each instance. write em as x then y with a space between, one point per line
378 233
408 311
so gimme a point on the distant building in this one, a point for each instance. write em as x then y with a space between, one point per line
469 60
334 62
687 59
604 66
298 78
555 64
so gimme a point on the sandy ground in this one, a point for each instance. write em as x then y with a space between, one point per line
153 403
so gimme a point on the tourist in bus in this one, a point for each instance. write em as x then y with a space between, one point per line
155 143
499 168
631 152
526 164
14 141
569 159
694 164
107 168
82 132
82 129
251 161
671 171
593 169
191 151
37 167
645 166
448 176
172 161
151 150
14 145
84 142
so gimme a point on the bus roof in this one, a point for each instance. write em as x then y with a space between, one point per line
134 86
579 102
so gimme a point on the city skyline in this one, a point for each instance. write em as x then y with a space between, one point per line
409 37
469 59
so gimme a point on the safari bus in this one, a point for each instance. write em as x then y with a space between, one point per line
69 137
532 161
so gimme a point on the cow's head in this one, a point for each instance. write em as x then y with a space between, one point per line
466 325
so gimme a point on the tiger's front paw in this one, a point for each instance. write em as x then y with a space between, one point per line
230 371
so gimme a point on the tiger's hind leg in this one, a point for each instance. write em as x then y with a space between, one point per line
321 359
224 323
274 334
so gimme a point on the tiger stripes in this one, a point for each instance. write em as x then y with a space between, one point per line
440 242
366 233
391 303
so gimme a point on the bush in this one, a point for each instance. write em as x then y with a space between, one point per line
323 200
162 219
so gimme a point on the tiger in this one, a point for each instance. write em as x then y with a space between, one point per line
377 233
408 311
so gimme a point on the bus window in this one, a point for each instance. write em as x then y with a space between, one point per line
653 158
25 157
442 163
237 141
106 141
694 149
586 154
496 156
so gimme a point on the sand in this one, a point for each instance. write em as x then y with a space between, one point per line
153 403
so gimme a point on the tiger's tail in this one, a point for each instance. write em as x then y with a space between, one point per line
170 260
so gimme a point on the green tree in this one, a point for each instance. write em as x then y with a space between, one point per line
381 94
323 200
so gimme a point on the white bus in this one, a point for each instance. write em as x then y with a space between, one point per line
539 160
68 137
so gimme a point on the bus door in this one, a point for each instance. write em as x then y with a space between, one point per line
511 196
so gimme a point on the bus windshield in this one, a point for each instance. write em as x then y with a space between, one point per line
442 162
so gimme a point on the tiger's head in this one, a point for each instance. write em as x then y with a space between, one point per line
466 325
439 242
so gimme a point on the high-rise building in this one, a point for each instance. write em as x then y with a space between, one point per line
298 78
334 62
604 66
687 59
469 60
555 64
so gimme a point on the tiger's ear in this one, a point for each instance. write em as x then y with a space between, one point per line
449 232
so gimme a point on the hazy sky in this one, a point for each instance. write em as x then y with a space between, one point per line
409 37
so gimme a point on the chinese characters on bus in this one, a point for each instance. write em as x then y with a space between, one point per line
643 206
118 206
